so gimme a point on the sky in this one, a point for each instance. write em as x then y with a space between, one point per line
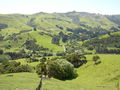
34 6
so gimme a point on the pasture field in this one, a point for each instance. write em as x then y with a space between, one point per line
104 76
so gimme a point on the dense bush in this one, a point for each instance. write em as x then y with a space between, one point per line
24 68
60 53
41 69
59 27
76 60
110 44
14 55
48 54
3 26
31 45
13 67
56 39
63 36
96 59
1 37
1 51
4 58
61 69
32 59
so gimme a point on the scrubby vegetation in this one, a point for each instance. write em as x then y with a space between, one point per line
76 59
14 67
109 44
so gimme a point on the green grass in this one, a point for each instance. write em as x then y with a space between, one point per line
104 36
19 80
42 40
45 41
96 21
24 62
91 77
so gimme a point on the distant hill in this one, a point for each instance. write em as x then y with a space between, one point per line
17 29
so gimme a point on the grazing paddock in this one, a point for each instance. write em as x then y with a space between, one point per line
104 76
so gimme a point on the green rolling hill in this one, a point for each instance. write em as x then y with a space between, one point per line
15 29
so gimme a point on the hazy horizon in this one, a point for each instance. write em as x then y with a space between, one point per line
55 12
105 7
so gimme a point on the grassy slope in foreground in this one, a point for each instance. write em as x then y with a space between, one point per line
101 77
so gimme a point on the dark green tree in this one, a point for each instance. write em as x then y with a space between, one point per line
1 51
76 59
61 69
55 39
96 59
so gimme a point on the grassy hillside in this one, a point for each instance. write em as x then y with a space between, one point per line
15 29
89 19
45 40
16 21
114 18
104 76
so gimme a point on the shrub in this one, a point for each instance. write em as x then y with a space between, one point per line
4 58
14 55
96 59
60 53
24 68
48 54
13 67
41 69
76 60
32 59
1 51
56 39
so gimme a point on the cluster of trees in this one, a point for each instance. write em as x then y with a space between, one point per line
63 36
81 34
15 55
73 47
31 45
76 59
1 51
60 69
3 26
56 39
14 67
111 41
31 54
4 57
107 50
60 54
58 26
109 44
1 37
32 59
